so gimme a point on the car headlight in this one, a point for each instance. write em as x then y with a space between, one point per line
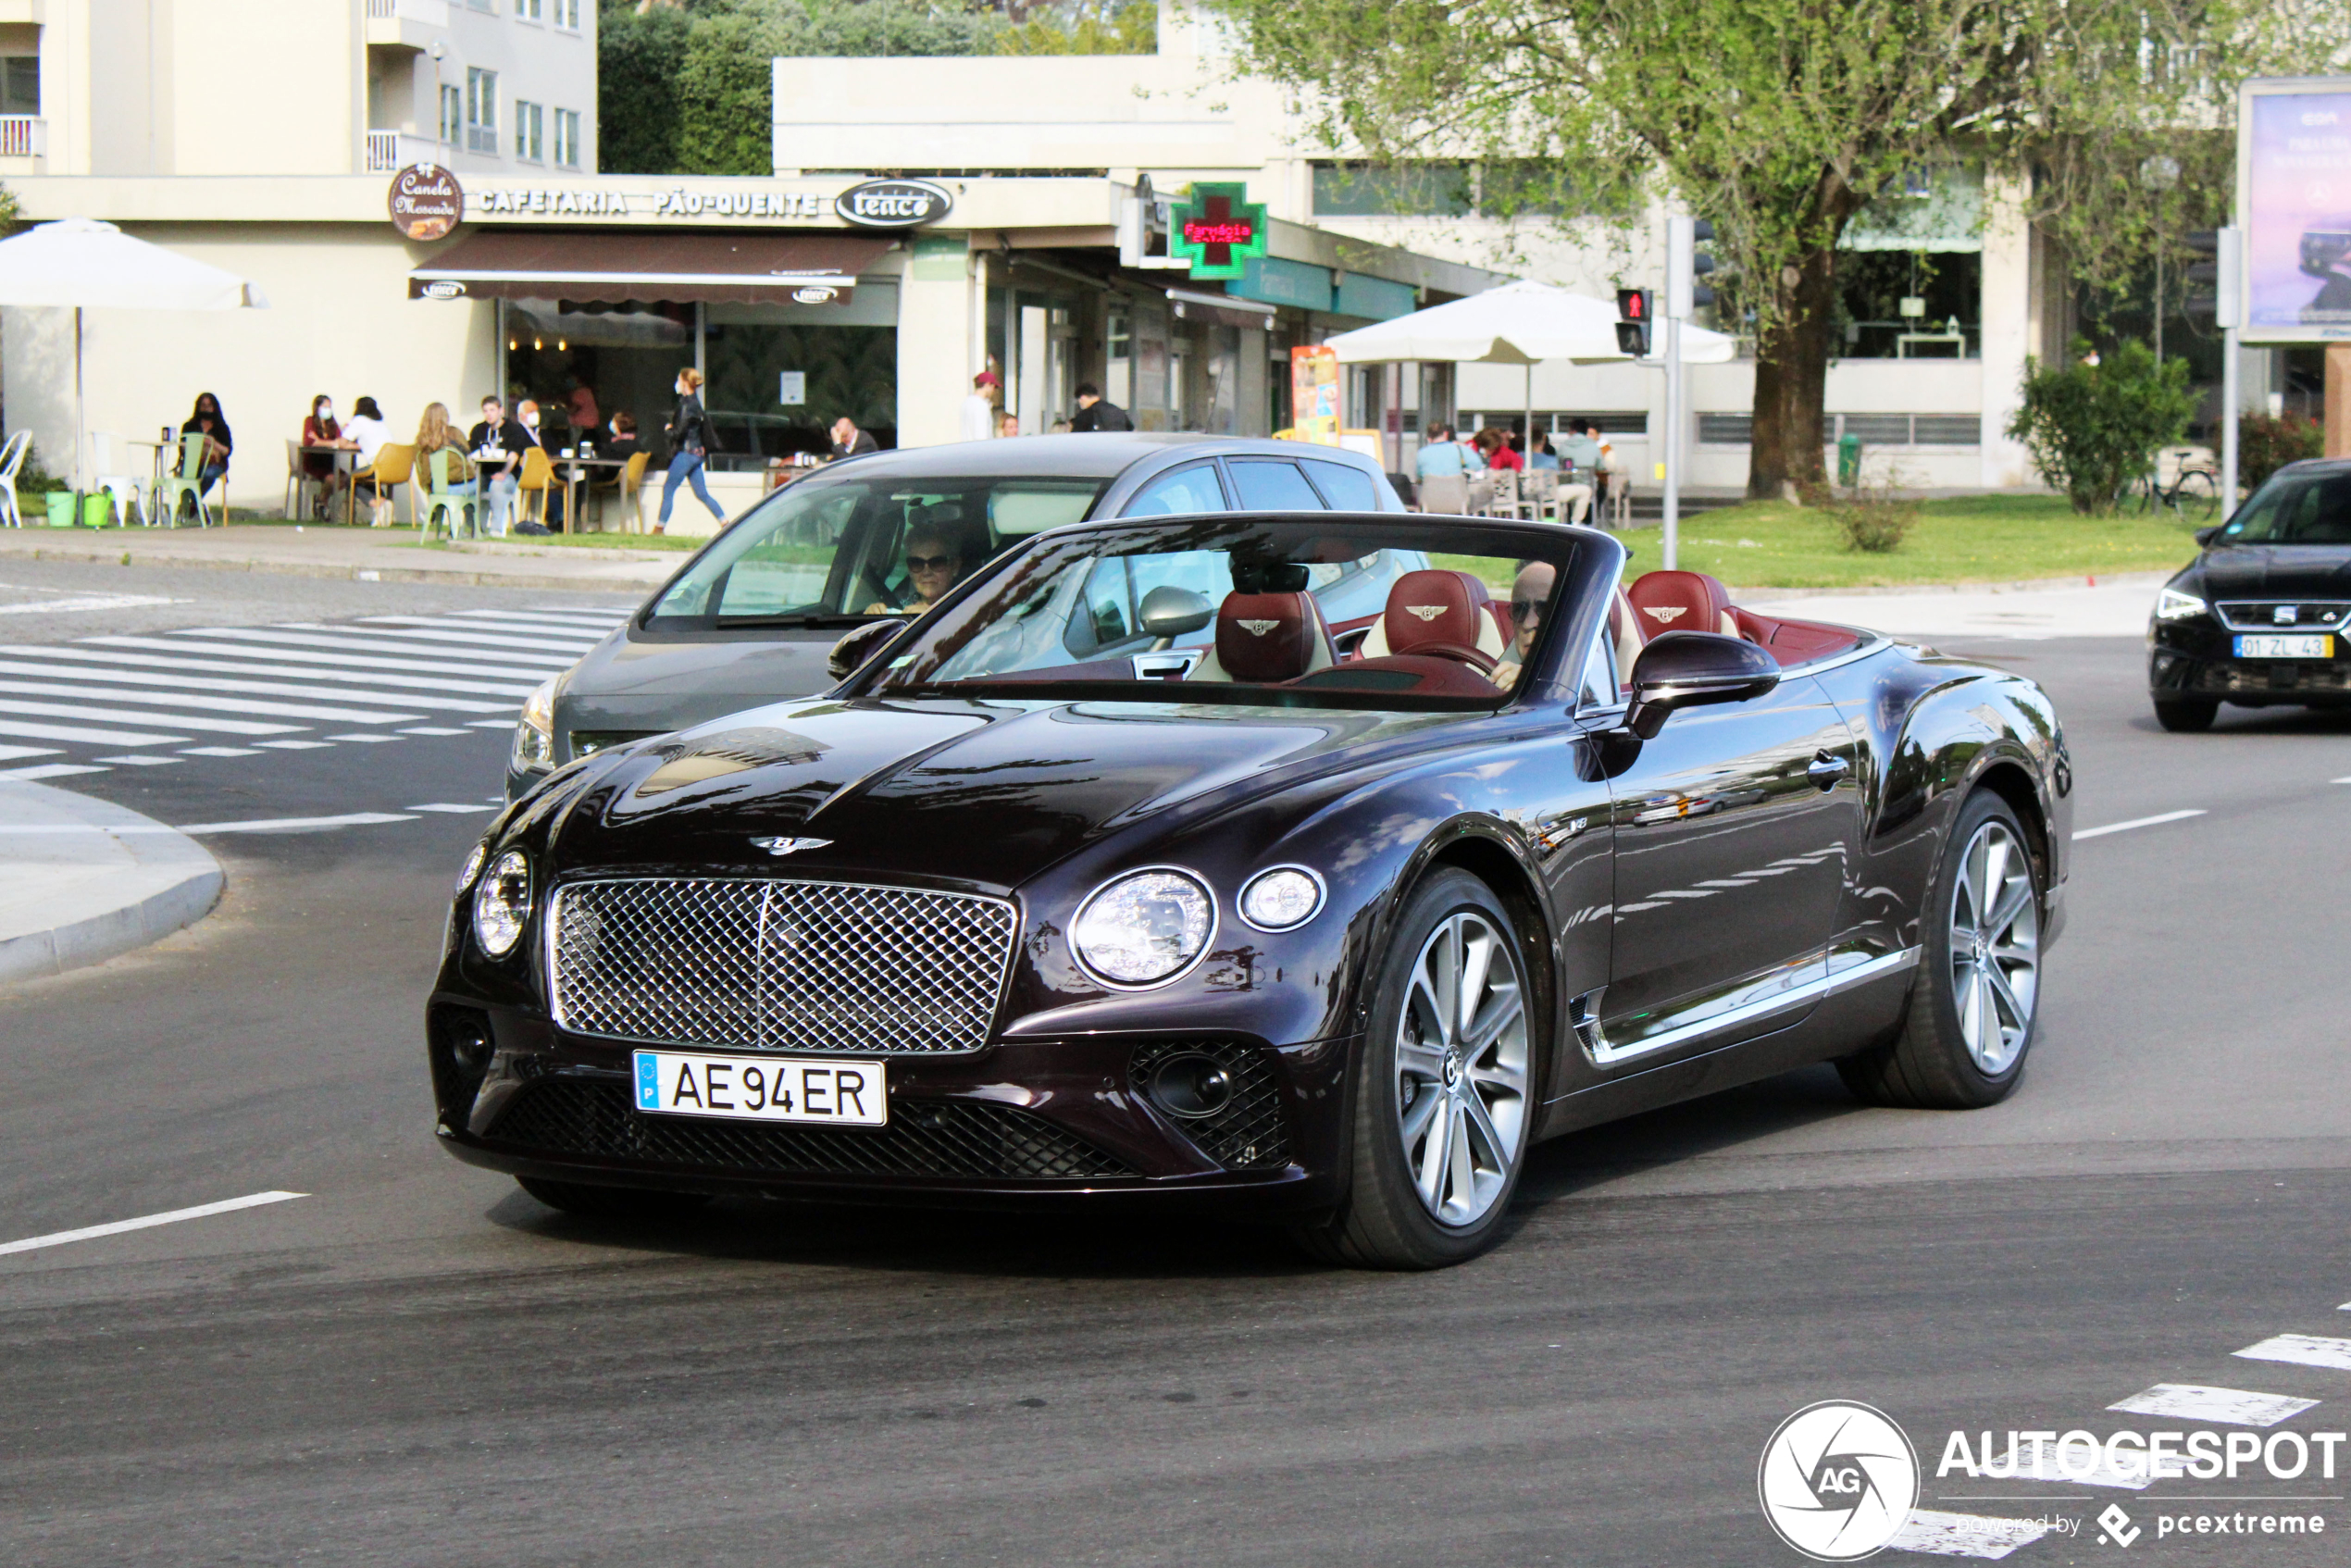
1144 928
2173 605
502 904
1281 898
535 731
472 868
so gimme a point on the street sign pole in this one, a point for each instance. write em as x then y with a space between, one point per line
2228 308
1681 242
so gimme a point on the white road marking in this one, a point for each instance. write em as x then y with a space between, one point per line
92 737
370 739
219 752
10 753
424 677
49 770
590 625
492 723
201 1211
2303 1349
295 824
134 716
1965 1534
208 705
79 604
298 745
472 637
429 729
416 655
128 760
436 644
309 685
2192 1401
2135 822
450 805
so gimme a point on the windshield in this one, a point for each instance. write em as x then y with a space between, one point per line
1241 610
833 551
2295 509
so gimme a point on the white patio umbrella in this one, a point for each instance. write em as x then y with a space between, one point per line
1521 323
80 262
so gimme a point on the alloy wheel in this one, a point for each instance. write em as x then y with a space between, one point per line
1462 1069
1996 948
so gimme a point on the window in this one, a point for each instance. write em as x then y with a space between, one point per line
482 111
1193 489
1350 489
1271 485
567 138
568 14
530 122
528 10
21 85
452 113
1725 429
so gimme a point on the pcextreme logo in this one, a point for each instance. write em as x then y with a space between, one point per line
1837 1480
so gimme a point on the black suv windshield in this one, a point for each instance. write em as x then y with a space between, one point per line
835 551
2295 509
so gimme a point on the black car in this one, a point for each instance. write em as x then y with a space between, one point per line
1125 877
2259 617
749 619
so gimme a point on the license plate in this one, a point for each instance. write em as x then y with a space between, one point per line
763 1088
2275 647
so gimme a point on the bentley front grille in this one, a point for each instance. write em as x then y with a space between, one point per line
816 966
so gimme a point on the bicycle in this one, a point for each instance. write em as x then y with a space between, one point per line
2193 495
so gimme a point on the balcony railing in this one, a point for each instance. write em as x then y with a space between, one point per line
23 136
390 150
432 13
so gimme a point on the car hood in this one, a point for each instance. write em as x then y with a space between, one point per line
981 795
2277 571
655 685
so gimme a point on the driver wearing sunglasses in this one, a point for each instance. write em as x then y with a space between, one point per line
1530 595
934 564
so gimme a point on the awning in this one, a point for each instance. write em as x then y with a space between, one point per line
613 268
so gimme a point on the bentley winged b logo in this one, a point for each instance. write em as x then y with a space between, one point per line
1667 612
1426 611
1257 628
789 846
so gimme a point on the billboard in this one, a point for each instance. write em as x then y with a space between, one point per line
2294 203
1313 396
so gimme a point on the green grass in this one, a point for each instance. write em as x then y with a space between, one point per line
669 542
1965 539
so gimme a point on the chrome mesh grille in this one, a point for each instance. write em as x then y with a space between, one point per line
818 966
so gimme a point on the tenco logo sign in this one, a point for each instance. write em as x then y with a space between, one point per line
893 204
1837 1480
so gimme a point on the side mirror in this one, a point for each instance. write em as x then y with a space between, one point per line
1168 612
855 648
1688 669
2206 536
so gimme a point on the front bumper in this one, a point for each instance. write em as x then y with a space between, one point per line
2197 658
1018 1123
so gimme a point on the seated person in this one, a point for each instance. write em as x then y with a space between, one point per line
622 442
934 564
1529 593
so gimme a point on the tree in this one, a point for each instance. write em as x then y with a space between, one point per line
2093 428
1087 27
1781 119
641 52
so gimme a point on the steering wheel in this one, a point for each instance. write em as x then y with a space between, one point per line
1476 658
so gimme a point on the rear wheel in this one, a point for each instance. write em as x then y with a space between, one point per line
590 1202
2186 715
1974 1004
1444 1090
2198 497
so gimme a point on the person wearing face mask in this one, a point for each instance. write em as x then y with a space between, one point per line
320 430
527 415
689 434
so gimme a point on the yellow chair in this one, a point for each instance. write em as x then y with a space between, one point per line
632 479
391 469
531 485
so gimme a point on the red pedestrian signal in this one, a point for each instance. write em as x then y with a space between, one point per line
1633 305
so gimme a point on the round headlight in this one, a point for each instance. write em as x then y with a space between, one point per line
502 904
1282 898
1144 928
472 868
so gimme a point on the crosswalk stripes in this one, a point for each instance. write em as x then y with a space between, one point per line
152 699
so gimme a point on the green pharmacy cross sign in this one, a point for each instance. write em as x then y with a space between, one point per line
1217 230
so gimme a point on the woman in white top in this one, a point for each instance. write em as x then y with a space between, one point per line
364 430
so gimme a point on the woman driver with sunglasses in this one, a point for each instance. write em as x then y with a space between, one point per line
934 564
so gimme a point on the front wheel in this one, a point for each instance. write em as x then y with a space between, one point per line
2186 715
1975 1002
1444 1089
2196 496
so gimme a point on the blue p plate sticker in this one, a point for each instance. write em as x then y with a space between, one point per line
647 1082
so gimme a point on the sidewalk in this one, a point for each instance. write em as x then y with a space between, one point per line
358 554
2117 606
81 881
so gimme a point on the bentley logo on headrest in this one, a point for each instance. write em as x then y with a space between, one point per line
1426 611
1667 612
1257 628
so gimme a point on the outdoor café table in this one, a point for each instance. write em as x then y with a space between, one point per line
347 459
577 471
154 480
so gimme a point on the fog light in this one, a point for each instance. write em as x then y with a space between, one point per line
1191 1085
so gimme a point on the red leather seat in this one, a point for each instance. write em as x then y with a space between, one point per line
1264 638
1681 601
1430 607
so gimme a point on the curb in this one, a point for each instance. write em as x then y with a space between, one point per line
2027 585
170 882
111 554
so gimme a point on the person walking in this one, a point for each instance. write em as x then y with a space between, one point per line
689 434
978 420
1097 413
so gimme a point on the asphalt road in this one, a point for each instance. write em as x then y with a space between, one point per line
416 1363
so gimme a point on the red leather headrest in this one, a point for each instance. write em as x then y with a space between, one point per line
1678 602
1267 637
1434 606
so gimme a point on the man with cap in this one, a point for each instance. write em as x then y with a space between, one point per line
980 409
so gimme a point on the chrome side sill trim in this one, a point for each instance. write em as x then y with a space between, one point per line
1824 977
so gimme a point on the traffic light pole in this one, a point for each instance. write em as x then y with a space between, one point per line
1673 442
2228 299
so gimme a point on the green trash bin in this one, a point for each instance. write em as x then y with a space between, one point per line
61 508
98 509
1849 460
